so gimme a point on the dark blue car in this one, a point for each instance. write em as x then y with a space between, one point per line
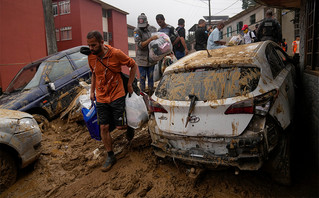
46 87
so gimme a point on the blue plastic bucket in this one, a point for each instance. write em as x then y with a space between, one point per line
90 119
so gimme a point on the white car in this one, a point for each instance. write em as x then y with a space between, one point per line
20 144
229 107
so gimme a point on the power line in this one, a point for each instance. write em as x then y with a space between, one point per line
227 7
183 2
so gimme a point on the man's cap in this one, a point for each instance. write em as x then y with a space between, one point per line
245 27
142 21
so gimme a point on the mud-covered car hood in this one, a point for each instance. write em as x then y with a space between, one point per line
10 114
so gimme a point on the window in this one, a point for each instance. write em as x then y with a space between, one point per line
208 83
55 9
229 31
109 36
79 59
60 68
64 7
66 33
130 32
131 46
274 61
239 26
312 36
104 13
253 19
221 34
57 34
105 36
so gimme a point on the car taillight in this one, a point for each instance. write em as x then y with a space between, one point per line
258 105
156 107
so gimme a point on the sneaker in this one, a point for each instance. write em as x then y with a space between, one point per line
129 133
110 161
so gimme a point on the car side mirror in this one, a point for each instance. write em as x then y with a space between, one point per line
51 86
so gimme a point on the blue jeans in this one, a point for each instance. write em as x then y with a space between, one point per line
146 72
179 54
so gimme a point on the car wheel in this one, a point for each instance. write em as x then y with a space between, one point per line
42 122
8 170
281 167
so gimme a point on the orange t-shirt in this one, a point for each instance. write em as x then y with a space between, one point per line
109 84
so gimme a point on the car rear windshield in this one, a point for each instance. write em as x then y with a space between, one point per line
208 83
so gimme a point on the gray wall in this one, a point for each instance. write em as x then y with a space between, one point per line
310 96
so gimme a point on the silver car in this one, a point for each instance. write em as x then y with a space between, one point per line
230 107
20 144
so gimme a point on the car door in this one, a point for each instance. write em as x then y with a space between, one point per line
80 62
281 109
65 83
289 80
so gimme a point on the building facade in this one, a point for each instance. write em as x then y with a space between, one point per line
22 36
131 41
24 39
75 18
255 15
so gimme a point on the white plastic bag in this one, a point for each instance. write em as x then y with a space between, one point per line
160 47
235 40
136 112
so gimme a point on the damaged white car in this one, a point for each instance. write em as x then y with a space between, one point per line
229 107
20 144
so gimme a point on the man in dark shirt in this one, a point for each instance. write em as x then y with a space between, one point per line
269 29
201 35
180 49
167 29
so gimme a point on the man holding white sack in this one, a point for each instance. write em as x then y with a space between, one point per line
143 36
107 87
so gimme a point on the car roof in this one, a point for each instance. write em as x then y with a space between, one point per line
64 52
54 56
239 55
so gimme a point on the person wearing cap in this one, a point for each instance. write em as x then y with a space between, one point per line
249 36
214 39
143 36
269 29
167 29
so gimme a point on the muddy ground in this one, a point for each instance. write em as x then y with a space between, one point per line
70 162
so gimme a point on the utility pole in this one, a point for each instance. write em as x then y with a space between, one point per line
209 20
49 27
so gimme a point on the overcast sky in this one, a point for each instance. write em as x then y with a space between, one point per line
190 10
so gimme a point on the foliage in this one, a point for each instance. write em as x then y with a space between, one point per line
247 3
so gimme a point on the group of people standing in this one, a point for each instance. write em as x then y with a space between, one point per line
269 29
143 36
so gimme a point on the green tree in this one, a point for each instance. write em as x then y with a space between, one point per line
247 3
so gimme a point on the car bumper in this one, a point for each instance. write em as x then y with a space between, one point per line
28 145
246 152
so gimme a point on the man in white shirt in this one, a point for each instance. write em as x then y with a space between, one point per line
214 39
249 36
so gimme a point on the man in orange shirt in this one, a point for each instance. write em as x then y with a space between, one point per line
295 49
107 88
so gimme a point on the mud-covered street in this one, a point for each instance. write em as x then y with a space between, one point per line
70 162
